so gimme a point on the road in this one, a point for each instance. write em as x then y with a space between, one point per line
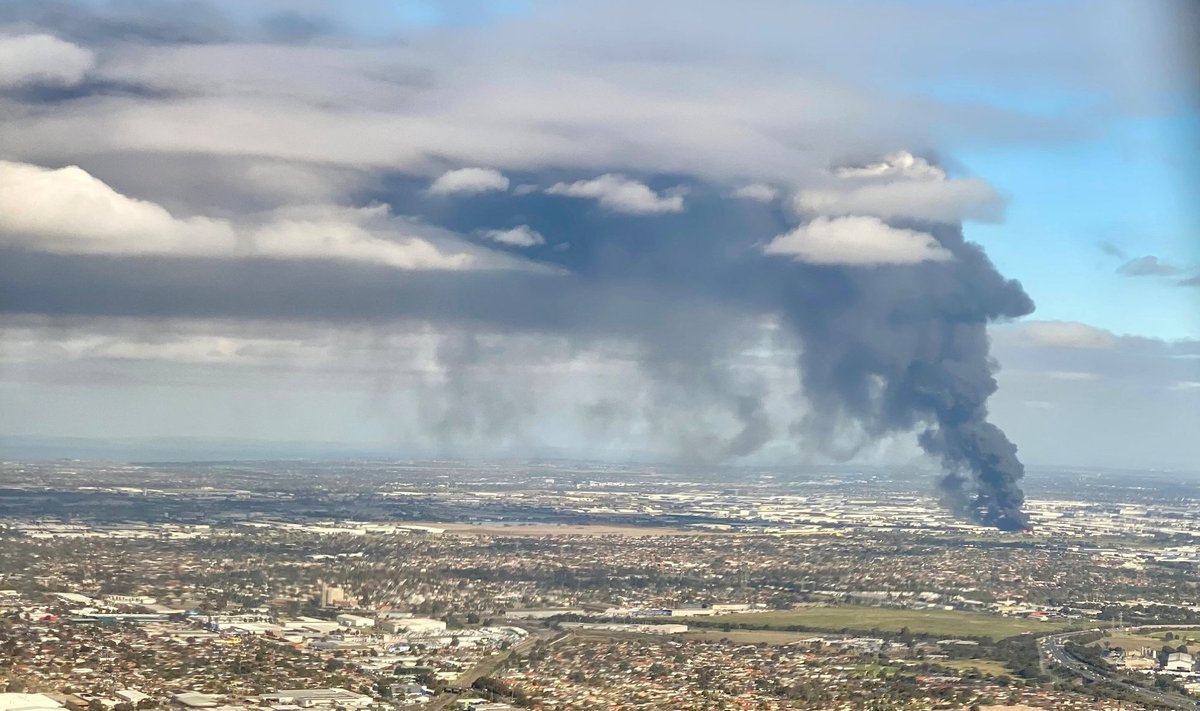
1052 650
477 672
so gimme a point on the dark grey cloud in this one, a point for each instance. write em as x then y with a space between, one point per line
452 96
67 285
293 26
122 21
888 349
44 94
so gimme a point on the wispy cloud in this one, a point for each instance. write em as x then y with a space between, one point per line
1071 375
758 192
1148 265
1067 334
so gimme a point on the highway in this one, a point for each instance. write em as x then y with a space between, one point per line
1052 650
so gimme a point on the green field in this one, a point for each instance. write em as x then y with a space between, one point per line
984 666
949 623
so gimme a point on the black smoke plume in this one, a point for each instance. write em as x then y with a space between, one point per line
898 348
883 350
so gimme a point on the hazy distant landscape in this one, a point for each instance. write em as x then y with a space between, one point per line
421 583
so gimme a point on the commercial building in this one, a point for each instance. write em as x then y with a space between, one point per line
355 621
1180 662
196 700
415 625
309 698
131 696
129 600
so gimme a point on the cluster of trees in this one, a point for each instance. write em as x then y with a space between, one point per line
497 690
1021 655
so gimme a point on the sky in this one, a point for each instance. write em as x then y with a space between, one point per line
759 232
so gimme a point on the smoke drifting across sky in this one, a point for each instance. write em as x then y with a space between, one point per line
504 227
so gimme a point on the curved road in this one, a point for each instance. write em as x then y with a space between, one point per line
1052 650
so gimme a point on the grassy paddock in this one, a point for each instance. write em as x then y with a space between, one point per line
1154 640
948 623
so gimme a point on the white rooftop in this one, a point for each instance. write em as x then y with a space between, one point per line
27 702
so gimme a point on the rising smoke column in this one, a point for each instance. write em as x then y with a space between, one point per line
888 346
898 348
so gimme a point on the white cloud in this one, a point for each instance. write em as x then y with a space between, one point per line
857 241
903 186
1183 386
470 181
1067 334
901 164
759 192
42 59
519 236
620 194
69 211
934 200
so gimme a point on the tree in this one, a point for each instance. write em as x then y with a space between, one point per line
16 686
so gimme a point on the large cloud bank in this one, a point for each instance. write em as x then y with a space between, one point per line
522 225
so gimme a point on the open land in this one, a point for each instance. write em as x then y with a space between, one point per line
867 619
